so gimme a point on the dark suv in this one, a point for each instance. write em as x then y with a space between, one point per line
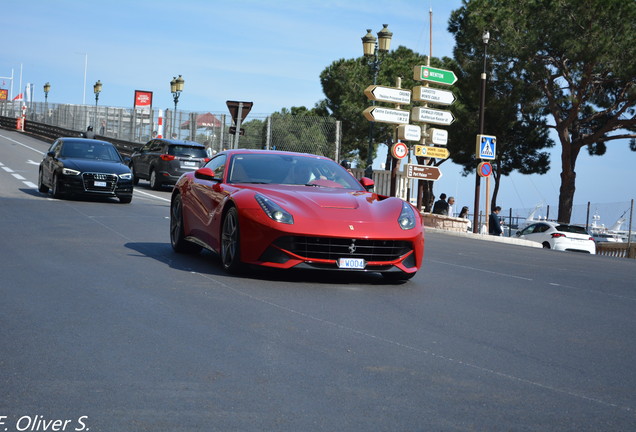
162 161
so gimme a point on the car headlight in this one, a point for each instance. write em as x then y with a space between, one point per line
407 217
125 176
273 210
70 172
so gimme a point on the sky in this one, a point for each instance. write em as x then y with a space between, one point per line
270 52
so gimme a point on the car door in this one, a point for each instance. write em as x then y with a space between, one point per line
204 199
141 160
49 163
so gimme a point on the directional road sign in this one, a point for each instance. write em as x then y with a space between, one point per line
432 152
438 76
486 147
438 136
423 172
386 115
409 132
434 116
433 95
388 94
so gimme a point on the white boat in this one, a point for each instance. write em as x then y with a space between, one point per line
613 234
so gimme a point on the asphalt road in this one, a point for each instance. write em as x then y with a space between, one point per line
104 328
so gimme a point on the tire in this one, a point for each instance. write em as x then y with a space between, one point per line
155 183
55 188
41 186
230 242
134 175
546 245
397 277
177 236
125 199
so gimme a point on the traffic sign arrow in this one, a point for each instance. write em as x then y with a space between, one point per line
439 76
434 116
387 115
423 172
388 94
433 95
432 152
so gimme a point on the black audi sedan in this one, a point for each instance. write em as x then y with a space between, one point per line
81 166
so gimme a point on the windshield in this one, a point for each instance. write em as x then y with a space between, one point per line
94 150
291 170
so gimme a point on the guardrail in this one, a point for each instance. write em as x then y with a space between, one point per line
51 133
617 250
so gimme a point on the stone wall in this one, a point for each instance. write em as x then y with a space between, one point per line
445 222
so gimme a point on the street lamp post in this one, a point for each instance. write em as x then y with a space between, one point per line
176 87
482 107
372 47
47 89
97 88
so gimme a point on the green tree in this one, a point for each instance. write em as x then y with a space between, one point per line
578 54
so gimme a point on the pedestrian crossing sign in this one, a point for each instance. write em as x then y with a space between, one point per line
486 147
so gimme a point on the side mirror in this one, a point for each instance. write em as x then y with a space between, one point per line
518 233
367 183
51 154
205 174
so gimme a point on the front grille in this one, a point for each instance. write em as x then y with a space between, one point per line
328 248
99 182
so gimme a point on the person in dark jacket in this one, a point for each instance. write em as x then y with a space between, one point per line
441 205
494 223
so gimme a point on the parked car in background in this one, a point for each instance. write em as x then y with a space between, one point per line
292 210
558 236
81 166
162 161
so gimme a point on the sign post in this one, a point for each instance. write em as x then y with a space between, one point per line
238 111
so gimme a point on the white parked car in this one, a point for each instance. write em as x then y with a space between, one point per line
558 236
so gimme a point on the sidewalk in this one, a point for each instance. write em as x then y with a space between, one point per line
485 237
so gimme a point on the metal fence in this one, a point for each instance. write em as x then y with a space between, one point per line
308 134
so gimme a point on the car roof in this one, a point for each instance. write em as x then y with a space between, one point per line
80 140
179 142
279 152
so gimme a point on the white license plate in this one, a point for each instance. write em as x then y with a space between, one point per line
351 263
100 184
188 164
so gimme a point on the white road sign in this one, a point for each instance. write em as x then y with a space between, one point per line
438 136
433 95
409 132
388 94
434 116
387 115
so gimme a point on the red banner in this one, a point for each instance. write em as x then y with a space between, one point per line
143 99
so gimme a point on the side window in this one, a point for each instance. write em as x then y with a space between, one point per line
155 146
55 147
217 165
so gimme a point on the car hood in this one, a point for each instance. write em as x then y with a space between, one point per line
337 210
88 165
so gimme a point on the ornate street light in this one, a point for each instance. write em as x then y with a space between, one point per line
97 89
47 89
372 47
176 87
482 107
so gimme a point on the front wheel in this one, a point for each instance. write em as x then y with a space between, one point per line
177 236
41 186
155 183
56 188
230 242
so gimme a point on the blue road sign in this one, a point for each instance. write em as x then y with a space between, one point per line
486 147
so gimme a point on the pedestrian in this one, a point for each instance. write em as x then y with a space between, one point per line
89 133
441 205
464 215
494 223
451 201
